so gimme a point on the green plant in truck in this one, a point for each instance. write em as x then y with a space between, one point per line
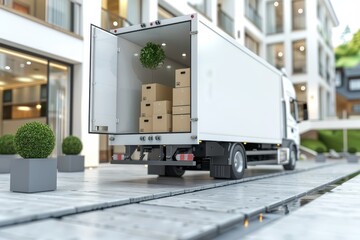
152 55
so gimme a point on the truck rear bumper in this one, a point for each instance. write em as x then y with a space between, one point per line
155 162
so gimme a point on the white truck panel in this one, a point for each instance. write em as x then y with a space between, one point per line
103 86
235 97
239 98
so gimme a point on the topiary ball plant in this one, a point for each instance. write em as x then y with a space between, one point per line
34 140
7 145
72 145
352 150
152 55
320 150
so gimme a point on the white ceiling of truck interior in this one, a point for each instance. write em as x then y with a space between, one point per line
175 36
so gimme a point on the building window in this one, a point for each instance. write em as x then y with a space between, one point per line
38 90
274 17
65 14
356 108
164 13
120 13
252 12
328 69
251 44
354 84
338 78
320 61
275 55
225 22
298 15
200 6
299 56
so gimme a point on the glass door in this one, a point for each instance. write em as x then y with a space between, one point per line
59 102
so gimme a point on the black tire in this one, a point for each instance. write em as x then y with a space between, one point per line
292 161
238 162
174 171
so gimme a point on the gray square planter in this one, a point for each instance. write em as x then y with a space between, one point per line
352 158
320 158
70 163
33 175
5 161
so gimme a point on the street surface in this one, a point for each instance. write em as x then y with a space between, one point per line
123 202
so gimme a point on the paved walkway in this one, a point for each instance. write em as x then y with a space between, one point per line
197 211
335 215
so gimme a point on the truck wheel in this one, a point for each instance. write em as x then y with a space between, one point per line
238 161
174 171
292 161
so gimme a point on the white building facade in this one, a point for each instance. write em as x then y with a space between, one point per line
54 37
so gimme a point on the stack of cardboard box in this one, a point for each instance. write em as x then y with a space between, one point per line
155 108
181 101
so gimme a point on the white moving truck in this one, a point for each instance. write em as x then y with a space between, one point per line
242 110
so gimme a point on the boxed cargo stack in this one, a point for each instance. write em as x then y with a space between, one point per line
155 115
162 119
181 101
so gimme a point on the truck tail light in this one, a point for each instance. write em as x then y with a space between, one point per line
185 157
118 156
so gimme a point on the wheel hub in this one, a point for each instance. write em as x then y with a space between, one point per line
238 162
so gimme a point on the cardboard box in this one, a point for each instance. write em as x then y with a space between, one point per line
182 77
181 110
162 107
146 109
145 124
181 96
155 92
181 123
162 123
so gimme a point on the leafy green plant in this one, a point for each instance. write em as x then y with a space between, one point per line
7 145
152 55
34 140
72 145
352 150
320 150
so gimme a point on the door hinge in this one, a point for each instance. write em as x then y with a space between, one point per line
194 32
194 119
118 50
117 120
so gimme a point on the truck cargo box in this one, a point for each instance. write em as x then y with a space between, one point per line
234 95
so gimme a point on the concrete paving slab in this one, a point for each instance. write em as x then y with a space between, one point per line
175 223
55 230
252 198
335 215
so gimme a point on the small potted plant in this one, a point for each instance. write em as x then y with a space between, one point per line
7 152
35 171
152 56
71 161
351 157
320 157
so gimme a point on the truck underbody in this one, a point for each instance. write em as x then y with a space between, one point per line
222 159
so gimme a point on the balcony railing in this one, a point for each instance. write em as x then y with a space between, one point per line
253 16
226 23
65 14
111 20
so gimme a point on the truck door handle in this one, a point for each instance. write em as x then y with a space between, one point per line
292 130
